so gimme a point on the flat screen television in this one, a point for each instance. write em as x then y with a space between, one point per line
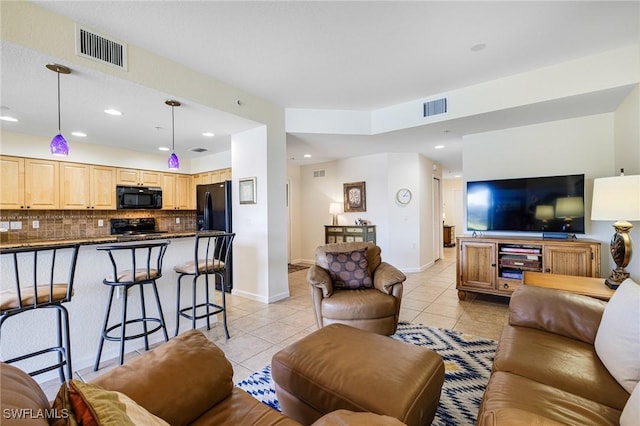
535 204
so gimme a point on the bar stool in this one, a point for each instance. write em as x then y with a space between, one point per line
143 266
211 257
43 278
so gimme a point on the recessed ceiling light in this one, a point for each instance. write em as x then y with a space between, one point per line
8 118
438 147
478 47
163 148
112 111
209 134
307 156
79 134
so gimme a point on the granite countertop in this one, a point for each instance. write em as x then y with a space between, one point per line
93 240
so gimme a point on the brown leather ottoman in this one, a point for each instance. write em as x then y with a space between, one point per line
341 367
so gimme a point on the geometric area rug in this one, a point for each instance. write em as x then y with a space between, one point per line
467 359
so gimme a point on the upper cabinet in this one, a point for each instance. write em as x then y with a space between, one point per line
214 176
176 191
133 177
29 183
84 186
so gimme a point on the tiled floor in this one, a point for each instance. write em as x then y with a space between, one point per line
259 330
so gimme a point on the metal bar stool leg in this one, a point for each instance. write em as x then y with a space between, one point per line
123 323
65 316
193 302
207 302
178 304
104 328
143 311
61 354
224 306
160 314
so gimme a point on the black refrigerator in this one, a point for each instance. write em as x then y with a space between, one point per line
213 209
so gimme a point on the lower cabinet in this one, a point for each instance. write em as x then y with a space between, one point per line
496 265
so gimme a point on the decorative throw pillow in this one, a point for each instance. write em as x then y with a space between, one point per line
618 338
631 412
91 405
349 270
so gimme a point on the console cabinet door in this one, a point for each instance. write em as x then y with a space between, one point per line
477 264
567 259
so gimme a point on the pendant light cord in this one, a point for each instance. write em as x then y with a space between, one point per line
173 131
59 131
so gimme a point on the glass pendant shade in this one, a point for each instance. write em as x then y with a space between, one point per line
59 146
173 161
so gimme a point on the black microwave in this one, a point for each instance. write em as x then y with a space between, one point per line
138 197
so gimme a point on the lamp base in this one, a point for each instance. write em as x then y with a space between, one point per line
616 278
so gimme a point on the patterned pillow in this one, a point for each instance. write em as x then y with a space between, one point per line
88 404
350 269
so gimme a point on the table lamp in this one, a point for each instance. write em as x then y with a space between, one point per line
335 209
617 198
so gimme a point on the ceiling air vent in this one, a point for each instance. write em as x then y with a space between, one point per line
318 173
98 47
199 150
439 106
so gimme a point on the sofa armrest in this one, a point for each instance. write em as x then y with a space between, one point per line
560 312
386 276
177 381
318 277
514 417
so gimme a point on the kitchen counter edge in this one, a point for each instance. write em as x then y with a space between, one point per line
93 240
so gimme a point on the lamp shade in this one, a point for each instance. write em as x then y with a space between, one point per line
173 162
569 207
616 198
59 146
335 208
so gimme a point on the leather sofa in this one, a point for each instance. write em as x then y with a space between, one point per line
185 381
375 309
546 370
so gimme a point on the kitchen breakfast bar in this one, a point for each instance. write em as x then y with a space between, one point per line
31 331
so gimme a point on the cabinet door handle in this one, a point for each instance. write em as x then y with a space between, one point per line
547 270
493 265
505 285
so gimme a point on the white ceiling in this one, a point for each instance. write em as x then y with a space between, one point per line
335 55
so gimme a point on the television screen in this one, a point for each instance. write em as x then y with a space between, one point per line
539 204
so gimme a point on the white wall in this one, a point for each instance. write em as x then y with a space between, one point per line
405 233
581 145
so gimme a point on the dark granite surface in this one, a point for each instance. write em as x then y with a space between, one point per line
93 240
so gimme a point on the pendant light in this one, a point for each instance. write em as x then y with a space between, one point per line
58 144
173 161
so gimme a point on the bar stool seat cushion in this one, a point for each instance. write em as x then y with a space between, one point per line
128 276
204 265
9 298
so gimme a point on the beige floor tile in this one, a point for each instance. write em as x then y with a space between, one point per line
433 320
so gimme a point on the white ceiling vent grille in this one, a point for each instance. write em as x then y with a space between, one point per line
318 173
199 150
100 48
439 106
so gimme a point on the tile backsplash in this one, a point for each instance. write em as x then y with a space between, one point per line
63 224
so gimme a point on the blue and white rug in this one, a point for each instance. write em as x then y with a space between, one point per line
467 359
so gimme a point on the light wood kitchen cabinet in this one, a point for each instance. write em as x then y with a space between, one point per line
213 176
41 179
133 177
85 186
11 182
497 265
177 192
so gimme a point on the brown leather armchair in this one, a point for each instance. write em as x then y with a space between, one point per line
375 309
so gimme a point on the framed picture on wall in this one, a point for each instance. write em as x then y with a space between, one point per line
247 189
355 197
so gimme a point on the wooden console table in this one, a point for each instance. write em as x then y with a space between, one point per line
340 234
588 286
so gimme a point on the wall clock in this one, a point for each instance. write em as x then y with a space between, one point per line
403 196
